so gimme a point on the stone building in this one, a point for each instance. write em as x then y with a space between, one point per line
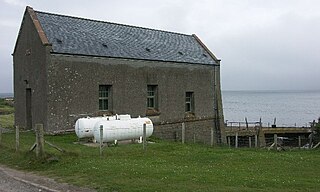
67 67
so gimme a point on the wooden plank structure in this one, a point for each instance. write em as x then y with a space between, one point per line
255 130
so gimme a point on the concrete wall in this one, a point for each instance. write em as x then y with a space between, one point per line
196 131
30 72
74 82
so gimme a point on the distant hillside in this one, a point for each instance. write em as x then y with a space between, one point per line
5 95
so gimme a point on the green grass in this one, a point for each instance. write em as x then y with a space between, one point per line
7 121
168 166
5 107
6 114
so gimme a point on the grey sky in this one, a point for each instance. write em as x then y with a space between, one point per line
265 45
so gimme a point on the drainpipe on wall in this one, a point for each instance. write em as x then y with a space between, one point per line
220 136
219 118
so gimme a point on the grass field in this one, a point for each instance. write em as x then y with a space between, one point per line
7 121
168 166
5 107
6 114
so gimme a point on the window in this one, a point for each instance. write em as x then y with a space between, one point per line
104 97
152 96
189 102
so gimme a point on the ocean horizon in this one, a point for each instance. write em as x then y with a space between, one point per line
289 107
5 95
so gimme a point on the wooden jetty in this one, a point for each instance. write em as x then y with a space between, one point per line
253 133
243 131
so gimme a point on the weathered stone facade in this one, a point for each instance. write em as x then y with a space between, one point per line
66 86
30 72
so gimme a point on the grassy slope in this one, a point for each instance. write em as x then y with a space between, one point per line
5 106
6 114
7 121
169 166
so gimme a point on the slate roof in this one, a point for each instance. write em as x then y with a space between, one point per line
78 36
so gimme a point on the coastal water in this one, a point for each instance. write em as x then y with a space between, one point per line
290 108
5 95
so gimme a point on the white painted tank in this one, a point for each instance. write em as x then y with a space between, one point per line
127 128
84 126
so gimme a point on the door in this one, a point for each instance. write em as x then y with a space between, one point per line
28 109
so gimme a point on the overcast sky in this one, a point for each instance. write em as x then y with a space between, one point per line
263 44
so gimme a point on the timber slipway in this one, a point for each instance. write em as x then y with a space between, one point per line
253 134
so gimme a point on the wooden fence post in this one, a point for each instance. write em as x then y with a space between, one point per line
39 141
310 140
249 142
236 143
275 137
229 142
183 133
299 140
247 125
144 139
255 141
260 123
0 135
17 138
101 139
211 137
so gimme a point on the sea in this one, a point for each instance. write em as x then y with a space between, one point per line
6 95
286 108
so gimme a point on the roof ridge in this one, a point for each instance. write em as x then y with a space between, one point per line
113 23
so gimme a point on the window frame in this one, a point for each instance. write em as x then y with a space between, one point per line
153 97
104 94
189 102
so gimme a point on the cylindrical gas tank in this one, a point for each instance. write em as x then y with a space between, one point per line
122 129
84 126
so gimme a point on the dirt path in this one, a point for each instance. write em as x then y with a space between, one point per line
12 180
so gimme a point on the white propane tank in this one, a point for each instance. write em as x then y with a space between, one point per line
122 129
84 126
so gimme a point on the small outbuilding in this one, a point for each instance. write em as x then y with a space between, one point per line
68 67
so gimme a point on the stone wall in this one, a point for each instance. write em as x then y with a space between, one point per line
74 82
30 63
197 131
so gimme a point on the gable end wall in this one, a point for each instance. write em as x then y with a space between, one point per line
29 58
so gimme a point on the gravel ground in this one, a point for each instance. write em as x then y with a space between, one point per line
15 181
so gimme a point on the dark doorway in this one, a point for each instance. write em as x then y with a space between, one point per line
28 109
